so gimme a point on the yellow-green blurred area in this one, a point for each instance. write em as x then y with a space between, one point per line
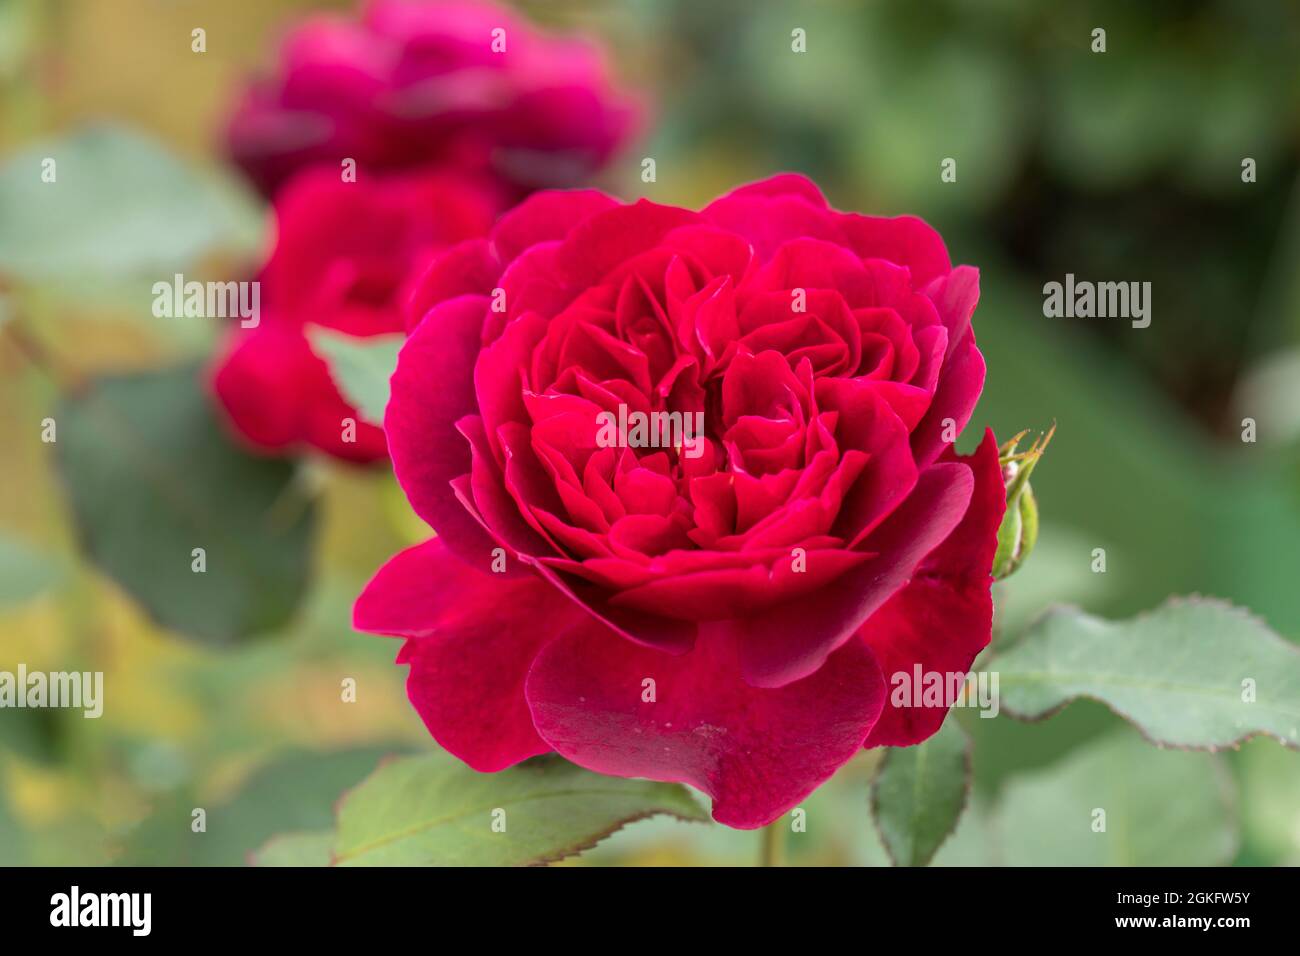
1117 166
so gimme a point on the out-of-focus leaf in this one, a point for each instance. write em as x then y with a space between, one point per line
1111 118
16 31
294 794
13 841
151 476
1270 803
1270 396
24 572
296 849
940 100
1193 673
1122 444
1164 807
361 367
1058 574
919 793
34 733
434 811
120 205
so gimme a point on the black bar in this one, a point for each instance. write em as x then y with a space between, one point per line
334 906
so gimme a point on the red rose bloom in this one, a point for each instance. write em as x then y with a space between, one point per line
343 257
417 84
728 612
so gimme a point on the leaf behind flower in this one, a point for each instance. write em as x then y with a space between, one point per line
919 794
1194 673
434 811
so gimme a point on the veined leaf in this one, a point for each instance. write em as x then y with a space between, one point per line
919 793
435 811
292 795
1193 673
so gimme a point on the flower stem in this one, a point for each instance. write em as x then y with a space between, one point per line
770 849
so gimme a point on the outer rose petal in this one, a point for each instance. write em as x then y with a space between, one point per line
546 216
770 221
905 240
944 617
755 752
955 296
606 240
783 184
956 396
468 268
471 638
432 389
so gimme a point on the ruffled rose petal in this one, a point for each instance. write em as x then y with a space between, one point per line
432 388
616 708
770 221
905 240
468 268
944 617
608 239
960 383
784 184
546 216
471 639
792 640
955 296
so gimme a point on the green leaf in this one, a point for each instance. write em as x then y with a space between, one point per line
24 572
119 205
434 811
361 367
293 794
919 794
1182 674
973 842
151 476
1270 803
17 31
1055 576
313 848
1161 808
13 838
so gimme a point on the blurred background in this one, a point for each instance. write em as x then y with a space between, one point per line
1125 166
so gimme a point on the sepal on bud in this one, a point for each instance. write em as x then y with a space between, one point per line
1019 529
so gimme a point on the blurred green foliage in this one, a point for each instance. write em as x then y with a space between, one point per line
1123 166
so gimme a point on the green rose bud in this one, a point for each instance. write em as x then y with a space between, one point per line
1019 529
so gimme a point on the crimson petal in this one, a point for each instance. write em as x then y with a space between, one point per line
756 752
944 617
471 639
792 640
432 388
